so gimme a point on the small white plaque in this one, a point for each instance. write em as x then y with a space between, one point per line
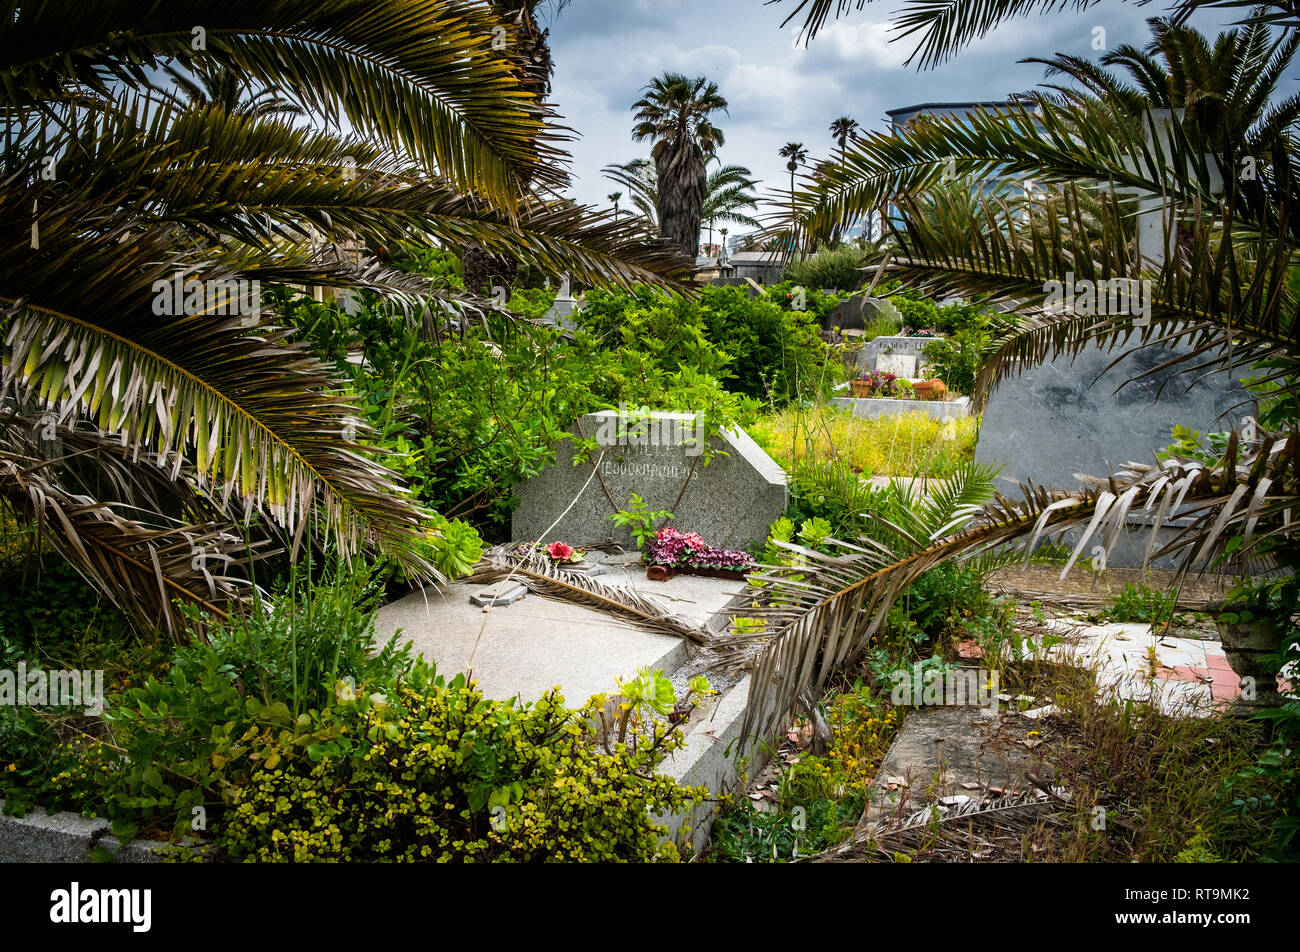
900 365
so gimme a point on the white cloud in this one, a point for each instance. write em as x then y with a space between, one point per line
861 44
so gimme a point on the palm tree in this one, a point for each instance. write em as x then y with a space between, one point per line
728 193
675 115
615 197
797 155
729 196
154 419
843 129
1230 294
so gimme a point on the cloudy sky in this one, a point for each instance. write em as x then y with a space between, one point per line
605 51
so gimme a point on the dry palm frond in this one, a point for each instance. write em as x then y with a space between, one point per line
973 826
144 568
544 578
822 613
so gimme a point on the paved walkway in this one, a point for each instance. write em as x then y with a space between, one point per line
1186 676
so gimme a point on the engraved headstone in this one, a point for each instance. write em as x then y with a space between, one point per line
914 347
730 500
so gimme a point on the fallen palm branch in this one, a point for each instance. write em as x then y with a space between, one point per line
542 577
971 829
821 613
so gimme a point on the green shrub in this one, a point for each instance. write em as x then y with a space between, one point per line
790 296
172 743
1138 603
445 774
295 647
920 312
757 347
532 303
957 360
842 268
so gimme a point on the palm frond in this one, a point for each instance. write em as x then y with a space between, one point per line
542 577
424 76
972 826
822 613
146 570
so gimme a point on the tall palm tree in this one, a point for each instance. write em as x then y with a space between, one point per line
1230 295
154 420
615 197
843 129
728 193
675 114
797 155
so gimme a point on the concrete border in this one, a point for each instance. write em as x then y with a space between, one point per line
871 407
41 837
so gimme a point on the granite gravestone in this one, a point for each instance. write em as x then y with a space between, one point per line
731 500
871 352
1067 416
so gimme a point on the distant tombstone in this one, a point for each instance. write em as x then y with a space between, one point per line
846 316
731 501
900 365
561 312
873 350
1062 418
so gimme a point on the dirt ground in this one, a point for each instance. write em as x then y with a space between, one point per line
1084 587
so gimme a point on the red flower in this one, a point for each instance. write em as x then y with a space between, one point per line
559 551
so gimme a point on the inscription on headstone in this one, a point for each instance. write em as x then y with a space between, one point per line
873 350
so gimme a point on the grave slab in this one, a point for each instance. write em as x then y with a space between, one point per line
870 407
536 644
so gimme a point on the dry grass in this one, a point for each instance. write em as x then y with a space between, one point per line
910 445
1128 784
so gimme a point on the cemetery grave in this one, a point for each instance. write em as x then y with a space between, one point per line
427 504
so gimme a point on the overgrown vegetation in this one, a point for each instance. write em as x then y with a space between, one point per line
248 739
914 444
